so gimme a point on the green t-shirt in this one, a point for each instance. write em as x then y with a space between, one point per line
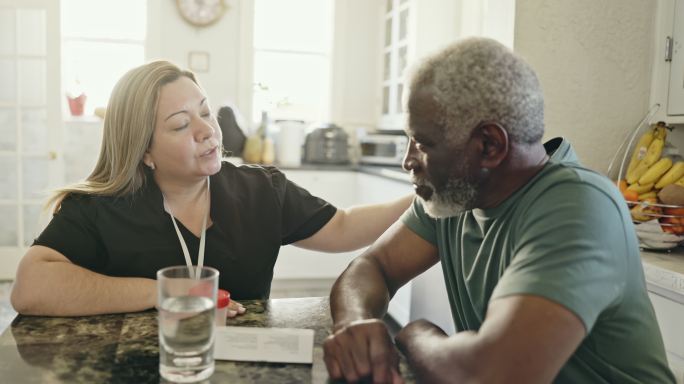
566 236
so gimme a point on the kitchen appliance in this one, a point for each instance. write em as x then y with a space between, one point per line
289 143
327 144
382 149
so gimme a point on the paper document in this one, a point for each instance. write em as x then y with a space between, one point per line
276 345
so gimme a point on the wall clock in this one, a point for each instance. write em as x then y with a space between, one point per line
201 13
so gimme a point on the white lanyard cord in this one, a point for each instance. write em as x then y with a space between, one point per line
194 274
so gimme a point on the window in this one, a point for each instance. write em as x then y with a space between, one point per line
292 56
96 50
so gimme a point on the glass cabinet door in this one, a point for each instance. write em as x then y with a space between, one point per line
30 122
395 52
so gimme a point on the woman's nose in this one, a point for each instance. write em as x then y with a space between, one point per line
205 130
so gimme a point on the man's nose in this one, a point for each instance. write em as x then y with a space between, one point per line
410 162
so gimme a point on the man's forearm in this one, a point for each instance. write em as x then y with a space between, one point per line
435 357
65 289
361 292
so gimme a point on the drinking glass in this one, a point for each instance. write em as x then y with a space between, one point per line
187 306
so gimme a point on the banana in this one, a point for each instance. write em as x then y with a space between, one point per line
637 172
655 149
660 130
644 211
655 171
638 188
674 174
641 149
680 182
648 195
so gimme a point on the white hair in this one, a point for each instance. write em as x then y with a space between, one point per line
479 80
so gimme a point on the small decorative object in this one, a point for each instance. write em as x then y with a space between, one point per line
198 61
201 13
76 104
76 98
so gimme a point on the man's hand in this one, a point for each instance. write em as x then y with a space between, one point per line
362 349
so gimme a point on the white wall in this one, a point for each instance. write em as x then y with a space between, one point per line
229 44
594 62
170 38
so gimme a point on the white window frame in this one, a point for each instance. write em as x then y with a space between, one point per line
247 84
66 39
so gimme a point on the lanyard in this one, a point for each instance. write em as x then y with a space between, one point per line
200 254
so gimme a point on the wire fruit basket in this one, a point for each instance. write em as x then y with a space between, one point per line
651 179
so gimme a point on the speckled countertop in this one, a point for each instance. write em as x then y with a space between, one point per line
123 348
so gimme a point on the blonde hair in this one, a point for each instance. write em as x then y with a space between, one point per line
128 127
479 79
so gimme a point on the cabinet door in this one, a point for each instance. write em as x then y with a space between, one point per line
670 315
30 122
294 263
675 104
395 58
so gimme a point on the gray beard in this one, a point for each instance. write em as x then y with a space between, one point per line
457 197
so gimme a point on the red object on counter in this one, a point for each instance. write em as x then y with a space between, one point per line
76 104
222 298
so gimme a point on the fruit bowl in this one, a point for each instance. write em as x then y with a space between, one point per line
658 226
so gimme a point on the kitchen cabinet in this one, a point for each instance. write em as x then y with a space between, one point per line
667 86
410 30
670 314
306 273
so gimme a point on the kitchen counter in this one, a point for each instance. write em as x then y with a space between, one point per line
389 172
123 348
665 273
664 270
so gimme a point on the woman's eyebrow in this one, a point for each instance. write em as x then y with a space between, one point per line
204 100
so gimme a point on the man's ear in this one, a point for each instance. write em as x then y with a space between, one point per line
494 141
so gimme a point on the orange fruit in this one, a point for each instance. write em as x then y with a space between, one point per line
622 185
630 195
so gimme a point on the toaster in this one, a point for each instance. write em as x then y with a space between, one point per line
327 144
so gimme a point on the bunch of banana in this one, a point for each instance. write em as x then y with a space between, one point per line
646 153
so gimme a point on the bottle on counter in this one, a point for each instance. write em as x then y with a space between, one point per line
259 147
222 302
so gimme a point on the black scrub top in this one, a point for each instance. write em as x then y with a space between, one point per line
254 210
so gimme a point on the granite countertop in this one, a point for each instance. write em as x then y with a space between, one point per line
123 348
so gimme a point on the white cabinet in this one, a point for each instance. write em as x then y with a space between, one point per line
411 29
304 272
670 316
667 86
338 188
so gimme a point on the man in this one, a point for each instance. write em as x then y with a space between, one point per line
539 255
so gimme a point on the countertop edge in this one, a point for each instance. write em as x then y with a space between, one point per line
664 271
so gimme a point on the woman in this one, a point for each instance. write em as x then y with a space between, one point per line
160 183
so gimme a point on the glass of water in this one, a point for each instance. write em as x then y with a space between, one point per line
187 306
